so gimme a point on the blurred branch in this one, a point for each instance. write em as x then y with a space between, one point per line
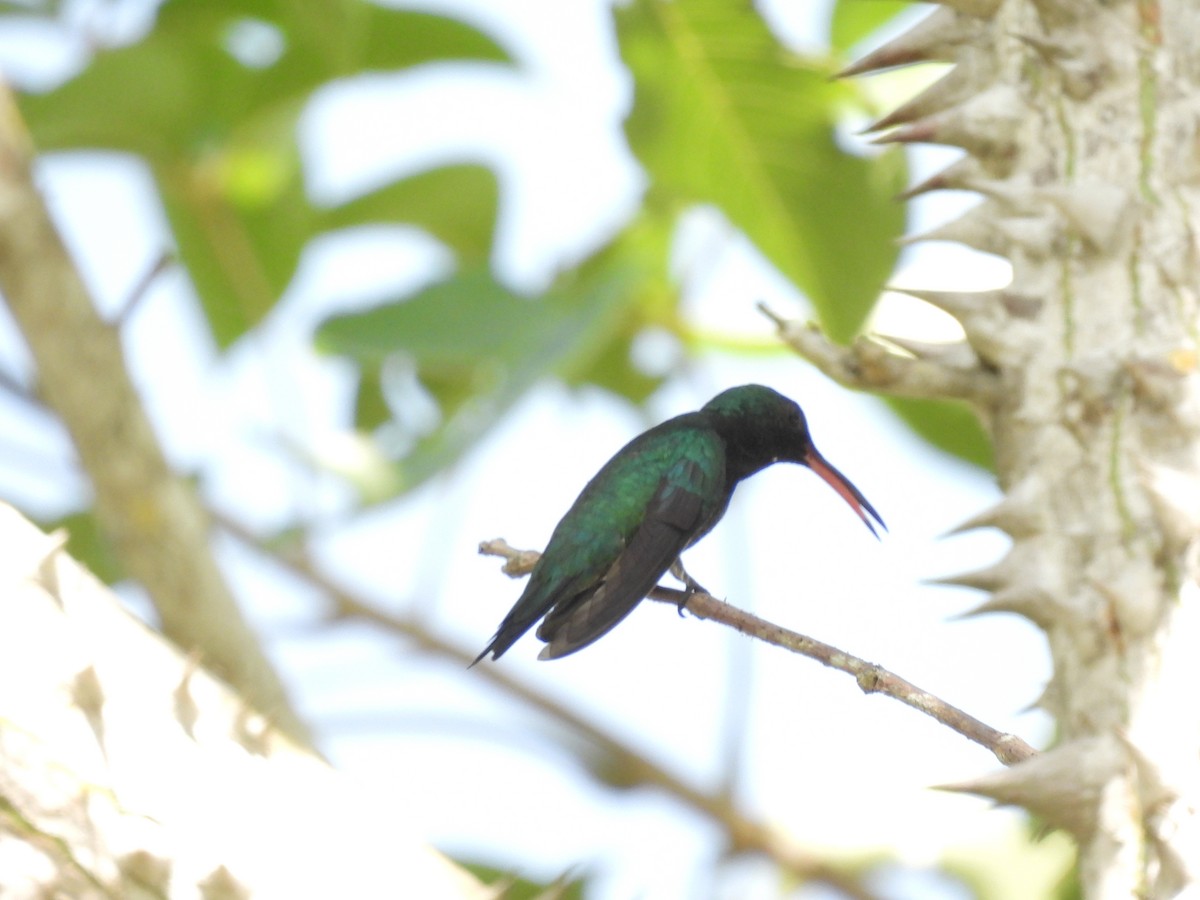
745 835
937 371
1008 748
141 287
158 528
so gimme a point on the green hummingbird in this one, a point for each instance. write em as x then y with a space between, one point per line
657 496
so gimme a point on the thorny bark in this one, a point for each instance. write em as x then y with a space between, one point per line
1082 135
127 771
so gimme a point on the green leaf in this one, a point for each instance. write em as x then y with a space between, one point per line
88 544
370 405
456 204
478 348
210 99
724 114
187 85
854 20
511 887
950 426
613 370
241 220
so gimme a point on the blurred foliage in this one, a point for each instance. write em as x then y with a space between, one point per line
210 99
1018 865
949 425
87 542
724 114
510 887
855 20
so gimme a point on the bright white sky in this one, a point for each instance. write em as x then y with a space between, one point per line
474 771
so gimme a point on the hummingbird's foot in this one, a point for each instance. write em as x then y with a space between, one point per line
692 585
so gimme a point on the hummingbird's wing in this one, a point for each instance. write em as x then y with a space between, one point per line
681 505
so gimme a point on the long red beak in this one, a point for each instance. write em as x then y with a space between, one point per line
845 489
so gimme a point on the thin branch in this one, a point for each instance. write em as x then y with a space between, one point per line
158 528
1008 748
946 372
746 835
141 287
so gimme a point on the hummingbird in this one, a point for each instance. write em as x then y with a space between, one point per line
657 496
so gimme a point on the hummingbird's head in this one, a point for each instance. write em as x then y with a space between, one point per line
761 427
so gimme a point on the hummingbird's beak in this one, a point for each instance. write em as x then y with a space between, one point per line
845 489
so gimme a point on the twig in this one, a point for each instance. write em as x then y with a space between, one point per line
746 835
1009 748
141 287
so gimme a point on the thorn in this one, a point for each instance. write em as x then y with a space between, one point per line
149 873
985 126
1175 497
87 695
1045 702
924 131
1018 514
976 228
957 303
987 579
1099 212
47 565
187 711
952 354
958 176
1019 570
1027 600
936 38
948 91
1061 785
220 882
982 313
985 228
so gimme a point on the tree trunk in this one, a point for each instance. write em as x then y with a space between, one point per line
1081 129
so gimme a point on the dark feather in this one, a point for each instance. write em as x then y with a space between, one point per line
671 519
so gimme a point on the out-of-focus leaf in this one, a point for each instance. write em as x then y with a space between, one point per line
723 114
515 888
210 99
241 219
948 425
205 69
477 348
1014 864
456 204
613 369
87 543
370 406
854 20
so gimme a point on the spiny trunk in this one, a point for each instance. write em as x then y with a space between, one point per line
1081 122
